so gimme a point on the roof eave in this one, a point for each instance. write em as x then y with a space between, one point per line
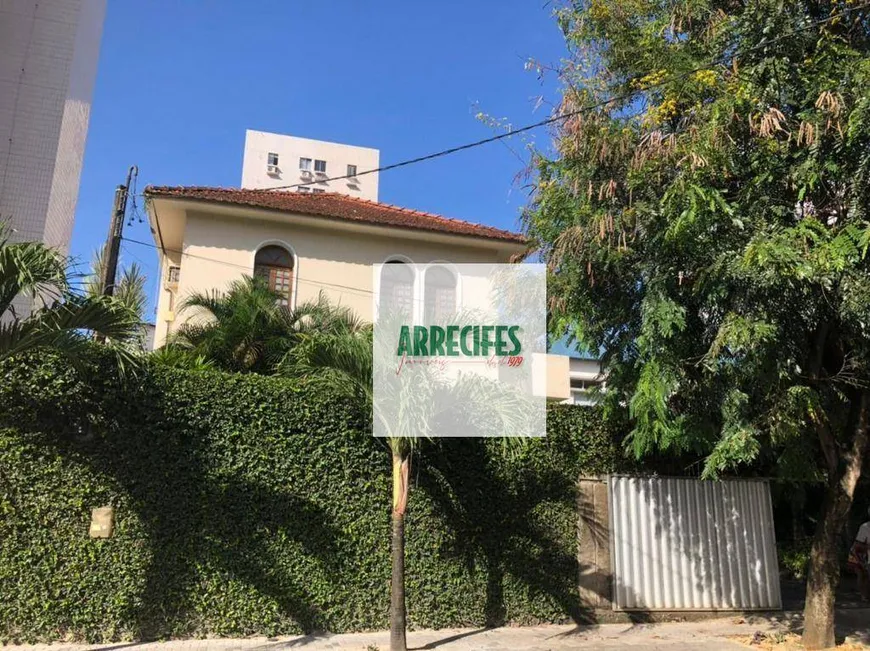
315 220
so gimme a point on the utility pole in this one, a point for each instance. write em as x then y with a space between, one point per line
113 241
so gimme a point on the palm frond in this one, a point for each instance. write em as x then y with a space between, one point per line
31 269
67 328
92 284
340 359
129 289
174 357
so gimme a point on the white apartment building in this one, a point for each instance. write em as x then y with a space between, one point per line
273 160
48 64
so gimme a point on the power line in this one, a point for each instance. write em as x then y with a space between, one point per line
359 290
343 289
498 137
585 109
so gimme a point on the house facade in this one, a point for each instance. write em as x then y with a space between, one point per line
306 244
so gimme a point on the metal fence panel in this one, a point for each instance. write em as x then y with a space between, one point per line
686 544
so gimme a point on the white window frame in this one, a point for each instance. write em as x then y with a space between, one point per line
272 159
305 164
351 171
415 287
457 279
319 171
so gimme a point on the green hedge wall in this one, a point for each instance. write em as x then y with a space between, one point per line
251 505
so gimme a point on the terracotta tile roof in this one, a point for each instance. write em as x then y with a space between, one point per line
336 206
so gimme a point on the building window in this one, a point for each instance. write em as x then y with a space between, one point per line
351 171
317 190
303 188
439 296
273 159
397 290
174 272
320 166
305 164
584 391
274 264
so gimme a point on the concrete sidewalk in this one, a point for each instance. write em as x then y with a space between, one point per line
725 634
709 635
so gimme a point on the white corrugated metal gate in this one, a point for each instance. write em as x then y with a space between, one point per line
686 544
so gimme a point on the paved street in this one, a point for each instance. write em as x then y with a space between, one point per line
710 635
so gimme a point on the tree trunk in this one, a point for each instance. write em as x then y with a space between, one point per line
401 472
824 572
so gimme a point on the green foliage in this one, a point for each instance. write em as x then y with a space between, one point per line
247 330
63 320
129 289
708 225
794 558
257 505
181 358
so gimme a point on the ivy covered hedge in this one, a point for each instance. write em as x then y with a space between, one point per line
250 505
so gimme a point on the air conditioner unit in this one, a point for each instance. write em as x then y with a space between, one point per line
306 174
272 169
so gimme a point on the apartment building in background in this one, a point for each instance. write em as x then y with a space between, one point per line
273 160
48 65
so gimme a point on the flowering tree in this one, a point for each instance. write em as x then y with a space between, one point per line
704 219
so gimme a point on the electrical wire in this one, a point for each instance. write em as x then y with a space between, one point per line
359 290
585 109
342 289
498 137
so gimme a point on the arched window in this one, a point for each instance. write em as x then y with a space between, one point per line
397 289
439 295
275 265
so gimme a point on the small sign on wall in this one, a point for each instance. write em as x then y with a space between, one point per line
102 522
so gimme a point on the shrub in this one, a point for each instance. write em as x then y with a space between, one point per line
252 505
794 558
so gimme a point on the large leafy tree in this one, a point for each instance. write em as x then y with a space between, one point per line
55 317
706 225
246 330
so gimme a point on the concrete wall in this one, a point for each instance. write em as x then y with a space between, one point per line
595 582
48 63
258 145
558 381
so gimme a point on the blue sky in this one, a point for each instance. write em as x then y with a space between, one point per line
179 81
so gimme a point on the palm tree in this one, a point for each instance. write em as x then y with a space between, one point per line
247 330
344 360
129 290
63 319
175 357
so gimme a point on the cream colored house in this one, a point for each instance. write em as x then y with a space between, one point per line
304 243
308 243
